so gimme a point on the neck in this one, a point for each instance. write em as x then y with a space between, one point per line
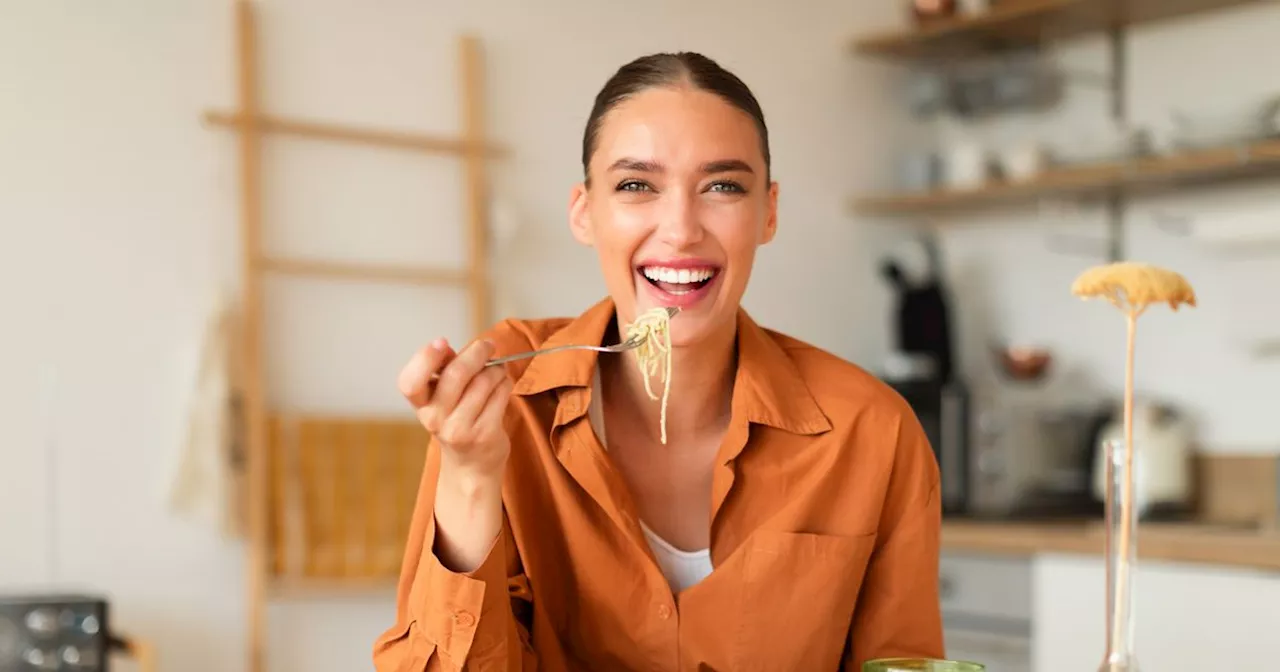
701 386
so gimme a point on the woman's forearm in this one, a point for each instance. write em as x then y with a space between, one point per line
468 513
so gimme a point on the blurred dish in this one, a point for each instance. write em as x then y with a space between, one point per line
1228 125
1023 362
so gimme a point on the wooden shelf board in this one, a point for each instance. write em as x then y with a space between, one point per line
365 272
431 144
1021 23
1141 176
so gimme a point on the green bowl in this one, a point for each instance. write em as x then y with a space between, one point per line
921 665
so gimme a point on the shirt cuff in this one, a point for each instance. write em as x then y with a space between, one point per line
460 609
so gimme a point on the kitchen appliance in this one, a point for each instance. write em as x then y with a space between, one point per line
921 368
922 322
1034 462
943 412
1162 440
67 633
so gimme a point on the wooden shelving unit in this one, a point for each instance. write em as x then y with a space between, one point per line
329 498
1146 176
1013 24
1036 24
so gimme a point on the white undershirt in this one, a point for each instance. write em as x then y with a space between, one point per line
682 568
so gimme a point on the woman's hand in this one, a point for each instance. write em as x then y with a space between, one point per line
463 410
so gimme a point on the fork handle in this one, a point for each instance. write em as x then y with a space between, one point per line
533 353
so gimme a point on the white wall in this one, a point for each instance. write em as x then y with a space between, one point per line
119 214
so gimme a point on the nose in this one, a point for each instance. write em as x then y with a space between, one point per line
679 225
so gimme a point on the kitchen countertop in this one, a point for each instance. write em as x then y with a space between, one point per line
1198 543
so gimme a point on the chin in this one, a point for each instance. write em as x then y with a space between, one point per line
692 332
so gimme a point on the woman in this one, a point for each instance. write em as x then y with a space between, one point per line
790 520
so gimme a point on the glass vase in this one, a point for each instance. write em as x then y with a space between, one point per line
921 665
1122 510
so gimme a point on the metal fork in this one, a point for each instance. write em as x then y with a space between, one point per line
629 344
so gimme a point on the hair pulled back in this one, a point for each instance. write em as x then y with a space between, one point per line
685 68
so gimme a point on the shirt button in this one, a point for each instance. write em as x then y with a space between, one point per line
464 619
664 612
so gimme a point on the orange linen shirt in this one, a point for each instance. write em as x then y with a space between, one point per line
824 534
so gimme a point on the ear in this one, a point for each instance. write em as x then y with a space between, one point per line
771 217
580 215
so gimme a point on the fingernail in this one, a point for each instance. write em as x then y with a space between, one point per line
440 343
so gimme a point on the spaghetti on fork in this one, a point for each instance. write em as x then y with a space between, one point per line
654 355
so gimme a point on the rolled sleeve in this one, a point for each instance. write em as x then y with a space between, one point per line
447 620
462 612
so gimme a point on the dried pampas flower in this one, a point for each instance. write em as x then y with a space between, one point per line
1132 287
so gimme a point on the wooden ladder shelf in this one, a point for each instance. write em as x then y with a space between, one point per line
329 499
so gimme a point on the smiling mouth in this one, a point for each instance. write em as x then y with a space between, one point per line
678 281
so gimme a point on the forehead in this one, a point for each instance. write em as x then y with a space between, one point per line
678 127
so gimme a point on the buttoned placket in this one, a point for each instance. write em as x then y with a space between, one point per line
578 449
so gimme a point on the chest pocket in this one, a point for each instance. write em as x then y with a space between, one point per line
799 592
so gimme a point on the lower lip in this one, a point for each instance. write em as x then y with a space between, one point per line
683 300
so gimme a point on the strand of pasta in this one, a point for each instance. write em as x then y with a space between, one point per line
654 355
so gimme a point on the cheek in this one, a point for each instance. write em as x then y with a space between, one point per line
737 229
618 234
619 230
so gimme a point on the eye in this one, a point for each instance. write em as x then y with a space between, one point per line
632 185
727 186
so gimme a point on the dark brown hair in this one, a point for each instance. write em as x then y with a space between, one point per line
671 70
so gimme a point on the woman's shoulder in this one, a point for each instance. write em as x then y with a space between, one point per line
837 383
862 408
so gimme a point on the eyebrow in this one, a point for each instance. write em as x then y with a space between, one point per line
721 166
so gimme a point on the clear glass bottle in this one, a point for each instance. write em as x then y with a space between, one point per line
921 665
1121 554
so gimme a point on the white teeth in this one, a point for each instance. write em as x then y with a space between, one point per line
682 276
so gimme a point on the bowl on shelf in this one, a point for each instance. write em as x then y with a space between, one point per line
1225 125
1023 363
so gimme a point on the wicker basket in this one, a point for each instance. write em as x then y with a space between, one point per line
341 495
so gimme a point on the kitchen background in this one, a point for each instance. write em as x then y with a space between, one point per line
121 206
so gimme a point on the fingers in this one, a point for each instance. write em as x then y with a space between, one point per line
495 407
461 425
457 375
414 381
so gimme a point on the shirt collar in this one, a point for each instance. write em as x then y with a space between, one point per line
769 389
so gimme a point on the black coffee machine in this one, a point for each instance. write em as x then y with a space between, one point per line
922 365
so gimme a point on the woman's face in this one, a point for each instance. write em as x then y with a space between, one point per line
677 205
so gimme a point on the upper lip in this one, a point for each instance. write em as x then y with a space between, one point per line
684 262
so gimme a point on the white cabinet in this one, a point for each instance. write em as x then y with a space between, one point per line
987 609
999 653
1188 617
